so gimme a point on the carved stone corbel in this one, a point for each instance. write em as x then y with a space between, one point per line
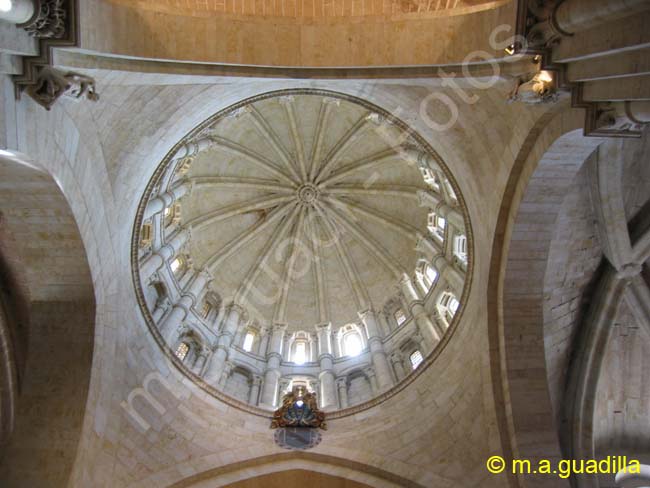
622 118
52 84
540 88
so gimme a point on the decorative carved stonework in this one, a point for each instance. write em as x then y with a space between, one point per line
539 89
299 409
622 117
538 24
52 84
48 21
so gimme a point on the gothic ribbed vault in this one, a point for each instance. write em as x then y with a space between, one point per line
305 211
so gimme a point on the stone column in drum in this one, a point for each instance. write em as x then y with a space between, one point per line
182 307
167 199
427 327
155 261
202 358
254 393
398 365
272 374
342 385
327 379
378 356
233 317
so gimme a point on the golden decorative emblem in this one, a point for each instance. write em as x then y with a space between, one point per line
299 409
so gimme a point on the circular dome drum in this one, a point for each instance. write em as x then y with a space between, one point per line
302 238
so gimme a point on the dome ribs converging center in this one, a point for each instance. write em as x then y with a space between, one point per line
235 184
247 236
271 245
376 249
280 314
253 157
271 137
285 224
321 125
360 293
287 102
362 164
340 147
234 210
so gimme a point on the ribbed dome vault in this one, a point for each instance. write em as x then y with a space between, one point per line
304 211
301 237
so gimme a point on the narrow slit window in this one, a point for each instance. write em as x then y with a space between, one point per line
416 358
182 350
400 316
300 354
248 342
353 346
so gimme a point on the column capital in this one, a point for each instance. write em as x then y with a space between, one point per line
207 275
332 101
256 380
279 327
286 99
416 307
342 382
404 279
236 307
324 327
363 314
264 330
396 356
274 354
426 245
228 367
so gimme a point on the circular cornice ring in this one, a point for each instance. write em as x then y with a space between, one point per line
308 197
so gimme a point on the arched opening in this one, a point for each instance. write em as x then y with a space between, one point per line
307 466
297 478
48 310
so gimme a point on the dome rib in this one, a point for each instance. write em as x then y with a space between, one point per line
399 191
288 103
321 125
258 266
272 138
370 244
383 219
246 236
252 157
360 165
230 211
341 145
235 183
280 314
360 292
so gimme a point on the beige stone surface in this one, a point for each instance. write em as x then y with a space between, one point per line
128 30
199 433
494 386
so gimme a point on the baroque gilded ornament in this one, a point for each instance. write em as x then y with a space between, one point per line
299 409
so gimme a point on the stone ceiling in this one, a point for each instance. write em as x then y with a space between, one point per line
326 206
310 9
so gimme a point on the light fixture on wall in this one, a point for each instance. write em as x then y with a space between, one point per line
16 11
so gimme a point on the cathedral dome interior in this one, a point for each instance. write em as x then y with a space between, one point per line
324 243
326 229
